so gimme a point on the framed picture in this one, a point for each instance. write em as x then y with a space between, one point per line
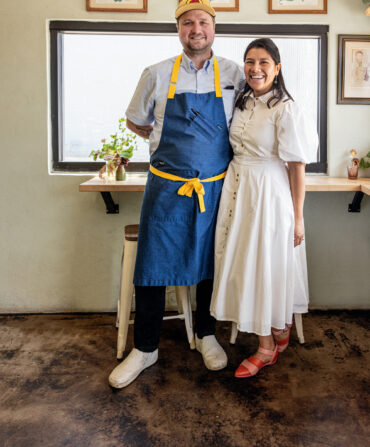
353 69
298 7
225 5
117 5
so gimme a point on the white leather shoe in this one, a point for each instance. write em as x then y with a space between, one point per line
127 371
214 356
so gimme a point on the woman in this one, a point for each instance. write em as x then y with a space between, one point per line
260 270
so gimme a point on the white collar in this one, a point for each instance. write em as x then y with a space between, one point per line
189 65
263 98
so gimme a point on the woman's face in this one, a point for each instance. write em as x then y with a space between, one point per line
260 71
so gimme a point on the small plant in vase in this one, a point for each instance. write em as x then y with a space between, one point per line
365 161
116 152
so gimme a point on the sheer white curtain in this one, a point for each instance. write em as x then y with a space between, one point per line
100 73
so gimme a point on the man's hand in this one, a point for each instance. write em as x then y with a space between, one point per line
142 131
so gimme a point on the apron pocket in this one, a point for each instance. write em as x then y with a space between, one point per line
162 203
204 128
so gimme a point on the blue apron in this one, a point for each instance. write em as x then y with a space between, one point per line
176 235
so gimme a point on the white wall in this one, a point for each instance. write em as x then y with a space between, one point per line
59 250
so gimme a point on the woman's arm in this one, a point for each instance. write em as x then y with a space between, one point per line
297 182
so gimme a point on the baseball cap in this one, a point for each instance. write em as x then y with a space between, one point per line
188 5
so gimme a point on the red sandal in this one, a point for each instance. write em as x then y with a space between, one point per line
250 367
282 344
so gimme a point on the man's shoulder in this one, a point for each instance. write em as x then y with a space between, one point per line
231 72
228 63
230 67
162 65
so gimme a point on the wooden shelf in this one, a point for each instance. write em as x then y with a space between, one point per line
313 183
322 183
132 183
136 182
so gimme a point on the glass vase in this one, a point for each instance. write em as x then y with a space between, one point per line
110 171
121 173
352 172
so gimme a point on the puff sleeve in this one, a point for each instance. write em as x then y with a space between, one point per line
296 135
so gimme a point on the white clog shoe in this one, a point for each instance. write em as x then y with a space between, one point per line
214 356
127 371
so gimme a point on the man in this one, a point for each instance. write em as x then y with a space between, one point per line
185 105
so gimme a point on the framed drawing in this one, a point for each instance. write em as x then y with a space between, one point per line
117 5
224 5
353 69
298 7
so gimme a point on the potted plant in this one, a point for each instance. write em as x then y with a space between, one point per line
355 164
365 161
116 152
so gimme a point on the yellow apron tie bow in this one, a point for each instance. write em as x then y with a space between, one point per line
187 190
190 185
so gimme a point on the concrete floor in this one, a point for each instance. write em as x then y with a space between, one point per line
54 390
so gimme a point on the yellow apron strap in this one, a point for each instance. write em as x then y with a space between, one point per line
190 184
217 79
174 76
215 178
166 175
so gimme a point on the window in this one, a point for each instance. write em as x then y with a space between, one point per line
95 68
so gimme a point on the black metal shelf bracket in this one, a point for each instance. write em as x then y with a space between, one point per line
112 208
355 206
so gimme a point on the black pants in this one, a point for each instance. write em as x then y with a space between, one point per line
150 306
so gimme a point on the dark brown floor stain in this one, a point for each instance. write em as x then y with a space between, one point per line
54 390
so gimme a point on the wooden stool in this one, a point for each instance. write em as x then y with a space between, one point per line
127 290
297 322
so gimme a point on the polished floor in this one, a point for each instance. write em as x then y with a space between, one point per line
54 390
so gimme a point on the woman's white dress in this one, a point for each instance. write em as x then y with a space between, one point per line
260 278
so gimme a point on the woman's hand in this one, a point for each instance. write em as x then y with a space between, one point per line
296 172
298 232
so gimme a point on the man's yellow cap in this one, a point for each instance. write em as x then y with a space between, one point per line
188 5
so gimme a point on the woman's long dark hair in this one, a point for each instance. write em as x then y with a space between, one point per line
279 88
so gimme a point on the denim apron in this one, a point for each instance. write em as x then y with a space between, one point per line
181 198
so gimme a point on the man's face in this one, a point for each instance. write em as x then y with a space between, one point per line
196 31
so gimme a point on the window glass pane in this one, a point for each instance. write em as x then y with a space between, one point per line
100 73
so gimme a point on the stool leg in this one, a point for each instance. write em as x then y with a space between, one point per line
234 333
299 327
118 305
127 290
183 295
179 302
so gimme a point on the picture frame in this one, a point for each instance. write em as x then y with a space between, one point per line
298 6
353 69
117 5
224 5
